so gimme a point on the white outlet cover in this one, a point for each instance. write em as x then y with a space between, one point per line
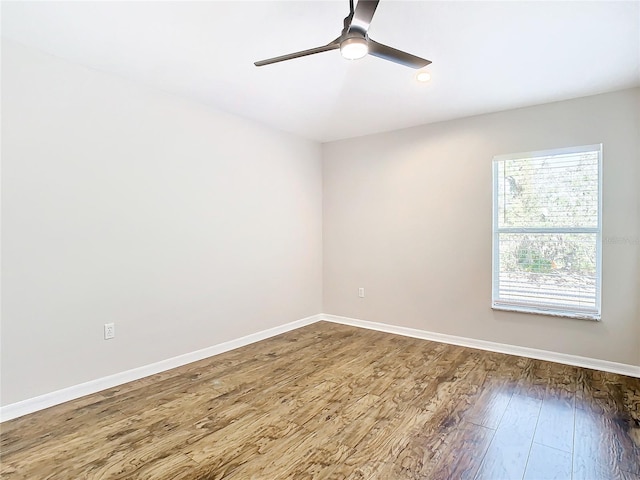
109 330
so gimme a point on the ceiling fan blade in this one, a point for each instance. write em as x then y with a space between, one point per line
398 56
330 46
363 15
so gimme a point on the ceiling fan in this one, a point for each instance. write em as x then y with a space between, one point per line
354 42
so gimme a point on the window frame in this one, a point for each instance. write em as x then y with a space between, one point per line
496 302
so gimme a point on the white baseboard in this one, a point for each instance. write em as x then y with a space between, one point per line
47 400
575 360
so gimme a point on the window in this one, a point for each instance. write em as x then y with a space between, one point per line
547 235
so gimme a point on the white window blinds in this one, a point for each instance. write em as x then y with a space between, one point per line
547 232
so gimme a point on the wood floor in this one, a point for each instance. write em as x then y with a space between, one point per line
331 401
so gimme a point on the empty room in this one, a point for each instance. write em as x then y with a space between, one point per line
320 240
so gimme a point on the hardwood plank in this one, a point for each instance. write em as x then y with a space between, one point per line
490 408
556 422
496 390
176 467
603 392
506 457
462 452
226 449
10 472
338 402
587 469
416 404
300 455
547 463
533 378
603 444
365 471
607 432
65 457
452 397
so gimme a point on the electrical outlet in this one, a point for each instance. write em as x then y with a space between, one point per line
109 330
361 292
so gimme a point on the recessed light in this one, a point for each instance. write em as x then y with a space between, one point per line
423 76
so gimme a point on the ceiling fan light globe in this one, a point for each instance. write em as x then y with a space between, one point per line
354 48
423 76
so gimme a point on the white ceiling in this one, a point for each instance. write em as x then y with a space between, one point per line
487 56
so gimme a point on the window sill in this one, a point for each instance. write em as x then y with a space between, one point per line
553 313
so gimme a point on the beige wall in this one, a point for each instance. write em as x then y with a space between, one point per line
185 226
407 216
188 227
